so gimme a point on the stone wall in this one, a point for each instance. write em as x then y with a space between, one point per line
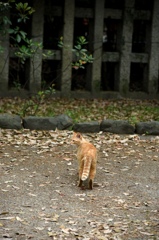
126 63
64 122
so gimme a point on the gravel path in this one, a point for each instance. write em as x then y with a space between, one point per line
39 197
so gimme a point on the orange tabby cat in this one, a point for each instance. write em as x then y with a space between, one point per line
87 158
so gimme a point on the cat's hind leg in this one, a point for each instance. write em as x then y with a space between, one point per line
91 184
80 183
92 176
80 175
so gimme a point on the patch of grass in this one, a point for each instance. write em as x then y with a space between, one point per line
72 114
89 110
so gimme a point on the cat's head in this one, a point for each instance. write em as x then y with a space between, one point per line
77 138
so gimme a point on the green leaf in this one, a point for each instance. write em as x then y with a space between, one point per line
19 20
25 5
10 30
83 50
18 38
19 6
78 47
6 20
23 34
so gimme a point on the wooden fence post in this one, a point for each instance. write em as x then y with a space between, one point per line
69 9
4 63
37 36
153 73
98 44
126 45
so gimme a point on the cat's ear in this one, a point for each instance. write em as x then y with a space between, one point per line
78 135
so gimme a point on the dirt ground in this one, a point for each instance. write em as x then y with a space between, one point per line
39 197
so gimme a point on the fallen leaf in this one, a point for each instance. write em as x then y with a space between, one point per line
67 159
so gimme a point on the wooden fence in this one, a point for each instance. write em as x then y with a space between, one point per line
123 37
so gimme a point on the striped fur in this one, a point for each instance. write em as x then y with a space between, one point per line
86 168
87 159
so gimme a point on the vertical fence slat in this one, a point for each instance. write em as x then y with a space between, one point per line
69 9
37 35
4 63
98 43
126 45
154 51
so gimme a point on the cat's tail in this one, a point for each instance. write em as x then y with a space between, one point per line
86 168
